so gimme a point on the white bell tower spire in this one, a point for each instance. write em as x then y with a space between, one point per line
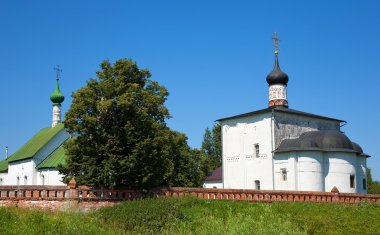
57 98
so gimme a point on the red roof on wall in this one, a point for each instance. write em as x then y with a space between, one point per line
217 174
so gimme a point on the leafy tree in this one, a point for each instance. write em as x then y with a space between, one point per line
122 139
373 187
217 142
212 149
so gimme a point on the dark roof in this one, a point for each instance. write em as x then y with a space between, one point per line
277 76
217 174
280 109
327 140
357 147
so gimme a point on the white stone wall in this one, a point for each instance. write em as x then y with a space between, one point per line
340 167
213 184
3 178
320 171
49 177
241 166
361 166
17 171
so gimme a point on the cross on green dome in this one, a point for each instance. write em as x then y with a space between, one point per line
56 97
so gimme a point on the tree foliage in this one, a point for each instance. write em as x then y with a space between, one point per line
373 187
212 148
121 137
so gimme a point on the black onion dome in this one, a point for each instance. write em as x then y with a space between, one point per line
277 76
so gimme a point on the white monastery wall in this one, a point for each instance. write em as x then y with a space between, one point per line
49 177
241 166
3 178
340 166
361 166
21 173
320 171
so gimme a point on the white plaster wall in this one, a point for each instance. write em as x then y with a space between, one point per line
213 184
241 168
361 174
310 171
21 169
339 166
304 171
3 178
51 177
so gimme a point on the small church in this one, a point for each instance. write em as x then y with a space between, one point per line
278 148
36 162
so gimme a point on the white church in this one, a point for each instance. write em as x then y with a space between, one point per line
36 162
278 148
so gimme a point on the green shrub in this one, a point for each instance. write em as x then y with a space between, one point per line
189 215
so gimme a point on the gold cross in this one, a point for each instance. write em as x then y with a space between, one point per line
276 40
58 70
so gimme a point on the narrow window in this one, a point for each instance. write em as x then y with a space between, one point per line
352 181
43 179
18 180
25 180
1 181
364 184
257 184
284 174
257 150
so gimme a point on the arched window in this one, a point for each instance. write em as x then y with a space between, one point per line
364 184
18 180
257 184
284 174
25 180
352 181
43 179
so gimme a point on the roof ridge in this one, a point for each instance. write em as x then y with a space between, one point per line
42 138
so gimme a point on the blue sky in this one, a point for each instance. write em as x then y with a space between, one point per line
213 56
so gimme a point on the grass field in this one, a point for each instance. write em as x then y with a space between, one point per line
196 216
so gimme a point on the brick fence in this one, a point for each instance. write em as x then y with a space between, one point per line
72 196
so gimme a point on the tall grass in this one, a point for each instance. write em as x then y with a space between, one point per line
196 216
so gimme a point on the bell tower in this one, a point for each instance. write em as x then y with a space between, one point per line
277 81
57 98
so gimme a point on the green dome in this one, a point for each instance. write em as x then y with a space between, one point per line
56 97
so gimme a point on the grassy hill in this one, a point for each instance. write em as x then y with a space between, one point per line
196 216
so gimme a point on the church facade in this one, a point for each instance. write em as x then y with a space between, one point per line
278 148
35 163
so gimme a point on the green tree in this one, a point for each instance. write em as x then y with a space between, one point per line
373 187
212 149
217 142
121 137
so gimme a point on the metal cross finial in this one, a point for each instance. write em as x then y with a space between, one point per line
58 70
276 40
